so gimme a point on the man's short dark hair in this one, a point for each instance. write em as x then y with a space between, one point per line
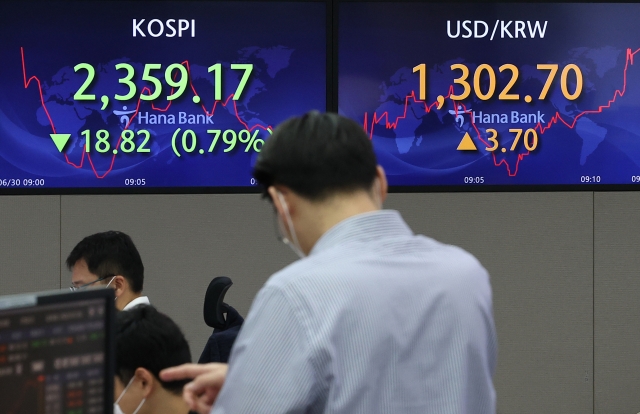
146 338
317 155
110 253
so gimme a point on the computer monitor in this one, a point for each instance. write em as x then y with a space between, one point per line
494 96
239 68
57 353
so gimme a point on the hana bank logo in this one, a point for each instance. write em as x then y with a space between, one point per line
457 113
124 116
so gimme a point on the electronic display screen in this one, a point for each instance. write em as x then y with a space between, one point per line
54 357
151 95
458 95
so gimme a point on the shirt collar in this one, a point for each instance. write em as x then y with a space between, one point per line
363 227
142 300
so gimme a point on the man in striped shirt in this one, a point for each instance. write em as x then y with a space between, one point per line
372 318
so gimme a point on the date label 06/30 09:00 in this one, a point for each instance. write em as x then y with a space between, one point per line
24 182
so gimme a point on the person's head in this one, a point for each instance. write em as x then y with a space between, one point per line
108 258
319 169
147 342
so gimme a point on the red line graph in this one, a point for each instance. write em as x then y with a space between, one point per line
540 128
35 384
153 106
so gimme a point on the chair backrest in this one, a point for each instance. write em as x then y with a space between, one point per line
214 307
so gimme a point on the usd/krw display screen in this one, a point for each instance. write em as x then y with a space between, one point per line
495 94
159 95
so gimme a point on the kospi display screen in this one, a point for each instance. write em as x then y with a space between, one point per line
151 95
504 95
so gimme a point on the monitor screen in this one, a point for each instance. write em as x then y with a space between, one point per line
496 95
55 353
153 96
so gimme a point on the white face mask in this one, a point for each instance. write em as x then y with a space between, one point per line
114 299
116 407
293 244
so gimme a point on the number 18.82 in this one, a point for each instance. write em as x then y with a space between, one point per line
127 145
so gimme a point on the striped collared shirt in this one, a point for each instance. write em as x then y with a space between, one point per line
374 320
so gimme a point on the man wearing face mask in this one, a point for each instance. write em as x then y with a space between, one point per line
372 318
147 342
110 259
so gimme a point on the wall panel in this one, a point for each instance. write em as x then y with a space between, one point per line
30 244
617 303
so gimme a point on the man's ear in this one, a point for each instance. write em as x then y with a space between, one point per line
384 184
281 199
146 380
120 285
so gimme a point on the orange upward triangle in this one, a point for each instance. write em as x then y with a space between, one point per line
467 144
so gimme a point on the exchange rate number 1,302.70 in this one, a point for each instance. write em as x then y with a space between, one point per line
485 73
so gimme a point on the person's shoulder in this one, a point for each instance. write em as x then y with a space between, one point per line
291 274
458 256
301 279
463 270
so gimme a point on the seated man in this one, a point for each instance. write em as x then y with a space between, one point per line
146 342
109 258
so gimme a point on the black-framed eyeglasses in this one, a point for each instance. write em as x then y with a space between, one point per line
73 287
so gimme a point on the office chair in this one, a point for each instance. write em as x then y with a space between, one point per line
225 329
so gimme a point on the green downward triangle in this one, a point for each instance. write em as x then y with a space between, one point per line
60 140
